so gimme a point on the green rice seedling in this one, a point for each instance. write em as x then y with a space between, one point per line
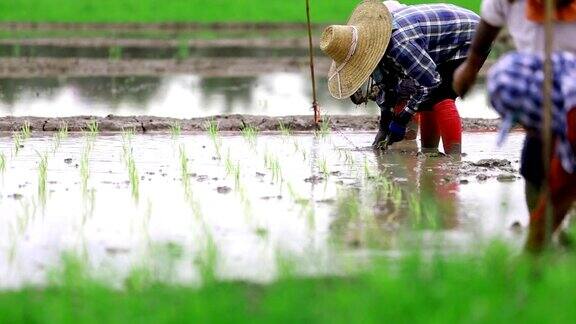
85 168
323 166
59 136
115 53
183 50
284 129
23 218
183 158
2 162
292 193
250 134
42 178
228 164
175 129
134 178
367 173
207 260
25 130
63 130
325 128
17 139
16 51
296 146
212 129
92 127
237 175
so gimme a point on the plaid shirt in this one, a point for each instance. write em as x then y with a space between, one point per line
515 89
423 37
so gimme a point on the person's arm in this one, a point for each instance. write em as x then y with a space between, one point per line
465 75
417 65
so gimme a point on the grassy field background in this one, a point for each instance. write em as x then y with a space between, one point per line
184 10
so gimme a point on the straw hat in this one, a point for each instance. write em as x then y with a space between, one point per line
357 47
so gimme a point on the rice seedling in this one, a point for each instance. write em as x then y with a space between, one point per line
212 129
133 176
93 130
184 170
42 178
16 51
88 206
250 134
2 162
23 217
85 169
183 50
115 53
63 130
324 127
296 146
323 167
284 129
17 139
272 163
59 136
175 129
25 130
367 173
128 135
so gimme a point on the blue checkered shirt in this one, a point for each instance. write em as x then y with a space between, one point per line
423 37
515 89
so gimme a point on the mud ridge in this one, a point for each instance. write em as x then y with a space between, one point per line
226 123
208 67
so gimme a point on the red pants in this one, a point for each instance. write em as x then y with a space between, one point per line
443 121
562 186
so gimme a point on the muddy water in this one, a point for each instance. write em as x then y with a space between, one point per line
185 96
258 201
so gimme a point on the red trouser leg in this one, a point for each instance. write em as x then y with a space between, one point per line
450 125
562 195
429 132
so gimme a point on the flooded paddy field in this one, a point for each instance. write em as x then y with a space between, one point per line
327 200
160 149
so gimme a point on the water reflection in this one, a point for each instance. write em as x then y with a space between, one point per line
185 96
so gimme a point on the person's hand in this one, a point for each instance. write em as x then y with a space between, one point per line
397 132
379 140
464 78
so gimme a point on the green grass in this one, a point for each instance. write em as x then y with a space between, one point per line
184 10
489 287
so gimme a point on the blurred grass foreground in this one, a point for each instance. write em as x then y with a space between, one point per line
489 287
155 11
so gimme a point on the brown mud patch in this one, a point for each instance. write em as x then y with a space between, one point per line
226 123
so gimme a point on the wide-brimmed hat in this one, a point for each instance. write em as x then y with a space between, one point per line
357 47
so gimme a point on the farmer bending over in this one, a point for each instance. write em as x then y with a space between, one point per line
410 54
515 86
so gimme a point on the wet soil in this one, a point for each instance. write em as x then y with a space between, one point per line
227 123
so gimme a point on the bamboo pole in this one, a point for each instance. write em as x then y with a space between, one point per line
311 50
549 8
